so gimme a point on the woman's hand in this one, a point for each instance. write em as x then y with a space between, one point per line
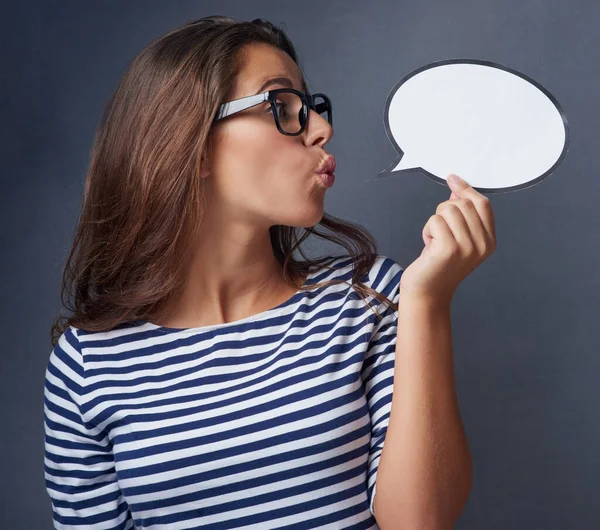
458 237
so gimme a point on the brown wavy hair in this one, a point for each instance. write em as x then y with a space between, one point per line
143 200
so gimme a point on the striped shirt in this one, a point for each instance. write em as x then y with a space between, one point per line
277 420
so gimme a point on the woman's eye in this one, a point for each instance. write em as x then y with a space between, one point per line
279 106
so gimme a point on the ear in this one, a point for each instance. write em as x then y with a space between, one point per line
204 172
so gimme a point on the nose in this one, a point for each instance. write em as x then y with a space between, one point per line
318 129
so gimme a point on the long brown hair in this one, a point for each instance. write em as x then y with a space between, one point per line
143 200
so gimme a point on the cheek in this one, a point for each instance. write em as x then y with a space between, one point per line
256 157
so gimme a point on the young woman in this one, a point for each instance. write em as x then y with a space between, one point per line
207 377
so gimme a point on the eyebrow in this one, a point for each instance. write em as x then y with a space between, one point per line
286 81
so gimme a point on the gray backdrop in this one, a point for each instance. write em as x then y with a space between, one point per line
525 323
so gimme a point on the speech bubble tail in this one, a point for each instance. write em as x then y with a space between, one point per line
398 165
404 163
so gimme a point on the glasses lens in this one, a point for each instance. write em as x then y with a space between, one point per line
291 115
323 107
289 111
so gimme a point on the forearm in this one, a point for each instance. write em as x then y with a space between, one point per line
424 474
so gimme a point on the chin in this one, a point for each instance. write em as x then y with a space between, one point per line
304 221
312 222
304 215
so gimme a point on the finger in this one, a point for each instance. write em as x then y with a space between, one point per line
482 204
479 236
436 231
458 225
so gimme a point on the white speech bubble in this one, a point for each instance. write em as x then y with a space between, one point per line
495 127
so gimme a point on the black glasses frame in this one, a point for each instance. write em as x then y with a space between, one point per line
237 105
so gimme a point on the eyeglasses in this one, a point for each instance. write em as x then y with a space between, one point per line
291 120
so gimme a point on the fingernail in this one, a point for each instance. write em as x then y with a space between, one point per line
455 178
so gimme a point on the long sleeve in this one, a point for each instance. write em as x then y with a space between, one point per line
378 366
78 460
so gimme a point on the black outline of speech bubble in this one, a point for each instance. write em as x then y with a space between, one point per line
388 173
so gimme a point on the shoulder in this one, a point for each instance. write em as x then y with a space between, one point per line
68 343
383 269
383 278
384 274
65 360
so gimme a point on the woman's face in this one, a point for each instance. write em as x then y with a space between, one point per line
256 174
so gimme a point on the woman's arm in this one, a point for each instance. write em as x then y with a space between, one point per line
79 464
425 469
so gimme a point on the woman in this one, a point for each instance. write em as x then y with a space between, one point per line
206 377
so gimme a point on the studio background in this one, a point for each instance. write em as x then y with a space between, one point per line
526 330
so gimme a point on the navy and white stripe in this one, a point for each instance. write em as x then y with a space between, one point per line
274 421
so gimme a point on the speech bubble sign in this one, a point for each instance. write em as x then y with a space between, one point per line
493 126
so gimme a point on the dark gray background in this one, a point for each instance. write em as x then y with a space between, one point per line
525 323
